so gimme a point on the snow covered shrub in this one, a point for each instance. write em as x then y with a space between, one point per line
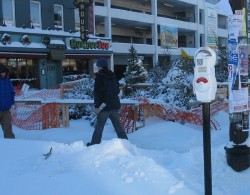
155 77
75 77
139 93
156 74
83 89
178 88
221 68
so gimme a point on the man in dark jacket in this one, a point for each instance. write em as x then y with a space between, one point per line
7 95
106 90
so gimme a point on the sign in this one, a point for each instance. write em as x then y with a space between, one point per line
93 44
169 37
83 6
212 24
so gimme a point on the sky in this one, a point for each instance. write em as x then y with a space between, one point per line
161 158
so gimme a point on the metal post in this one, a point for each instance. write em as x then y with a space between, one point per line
207 148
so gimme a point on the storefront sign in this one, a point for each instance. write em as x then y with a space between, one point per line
78 44
83 6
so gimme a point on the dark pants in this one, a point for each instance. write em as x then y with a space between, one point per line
5 120
102 118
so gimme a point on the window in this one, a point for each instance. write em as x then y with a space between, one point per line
23 71
8 12
58 17
201 18
77 20
35 14
75 67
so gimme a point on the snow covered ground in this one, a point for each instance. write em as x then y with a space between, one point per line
161 158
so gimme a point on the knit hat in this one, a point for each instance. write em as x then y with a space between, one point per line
102 62
2 68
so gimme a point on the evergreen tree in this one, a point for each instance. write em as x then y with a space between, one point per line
135 72
178 90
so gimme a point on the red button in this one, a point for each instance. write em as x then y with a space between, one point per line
201 79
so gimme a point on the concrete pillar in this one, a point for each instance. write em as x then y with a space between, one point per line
197 32
107 20
154 31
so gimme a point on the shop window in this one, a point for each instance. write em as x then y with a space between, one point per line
23 71
8 12
75 67
58 17
35 14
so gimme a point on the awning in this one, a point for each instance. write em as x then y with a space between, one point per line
188 53
87 56
23 55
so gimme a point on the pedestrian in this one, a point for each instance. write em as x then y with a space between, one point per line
7 95
106 90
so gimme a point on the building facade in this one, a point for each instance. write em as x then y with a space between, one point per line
194 23
40 42
41 39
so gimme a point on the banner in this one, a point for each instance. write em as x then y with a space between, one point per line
212 24
169 37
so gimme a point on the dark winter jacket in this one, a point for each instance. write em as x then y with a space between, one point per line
7 94
106 90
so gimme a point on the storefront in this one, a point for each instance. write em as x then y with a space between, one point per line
42 61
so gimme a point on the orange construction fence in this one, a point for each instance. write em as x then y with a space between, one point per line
36 116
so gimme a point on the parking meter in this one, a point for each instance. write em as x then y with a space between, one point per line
205 87
204 83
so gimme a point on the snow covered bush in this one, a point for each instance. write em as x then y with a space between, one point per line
83 89
174 87
178 88
75 77
221 67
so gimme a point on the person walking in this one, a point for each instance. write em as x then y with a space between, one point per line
7 95
106 90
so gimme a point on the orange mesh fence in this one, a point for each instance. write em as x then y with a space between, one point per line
169 112
42 116
126 116
50 116
36 116
17 89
